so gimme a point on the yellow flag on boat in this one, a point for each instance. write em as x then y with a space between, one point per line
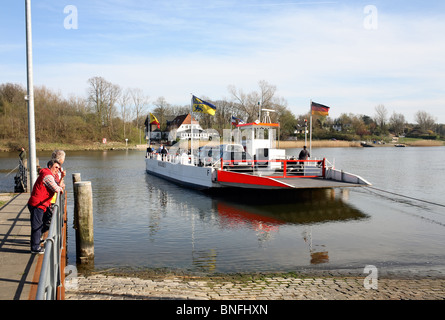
202 106
155 121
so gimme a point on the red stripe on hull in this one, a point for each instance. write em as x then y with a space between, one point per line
247 179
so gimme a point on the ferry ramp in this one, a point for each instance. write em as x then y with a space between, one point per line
316 183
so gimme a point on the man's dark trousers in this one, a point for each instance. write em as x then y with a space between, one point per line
36 226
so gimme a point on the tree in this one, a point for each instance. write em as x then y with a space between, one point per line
397 122
103 95
162 111
288 122
124 102
425 121
13 111
381 116
140 104
249 104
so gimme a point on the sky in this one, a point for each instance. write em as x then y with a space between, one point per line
349 55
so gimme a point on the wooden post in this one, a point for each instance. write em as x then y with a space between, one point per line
84 216
76 178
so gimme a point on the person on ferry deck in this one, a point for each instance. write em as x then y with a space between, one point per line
304 154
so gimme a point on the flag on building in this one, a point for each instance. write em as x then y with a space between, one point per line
155 121
202 106
319 109
236 121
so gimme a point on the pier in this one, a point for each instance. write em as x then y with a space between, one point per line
19 269
26 276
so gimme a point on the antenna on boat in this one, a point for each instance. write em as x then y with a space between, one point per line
266 117
259 110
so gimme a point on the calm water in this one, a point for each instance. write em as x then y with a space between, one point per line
143 221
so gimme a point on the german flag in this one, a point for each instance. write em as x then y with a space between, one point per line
319 109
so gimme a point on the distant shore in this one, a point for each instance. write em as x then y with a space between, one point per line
97 146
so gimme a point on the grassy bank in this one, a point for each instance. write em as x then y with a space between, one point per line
9 147
319 144
421 143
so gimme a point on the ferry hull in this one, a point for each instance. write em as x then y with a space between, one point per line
200 178
206 178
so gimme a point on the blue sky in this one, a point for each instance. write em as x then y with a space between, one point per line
330 52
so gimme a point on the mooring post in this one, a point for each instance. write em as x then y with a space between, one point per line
83 206
76 178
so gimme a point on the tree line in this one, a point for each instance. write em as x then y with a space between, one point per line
116 113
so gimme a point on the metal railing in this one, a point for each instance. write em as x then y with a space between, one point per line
20 178
276 168
279 168
51 273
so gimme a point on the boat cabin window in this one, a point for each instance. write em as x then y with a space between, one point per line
234 148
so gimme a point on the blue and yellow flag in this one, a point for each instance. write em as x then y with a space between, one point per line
202 106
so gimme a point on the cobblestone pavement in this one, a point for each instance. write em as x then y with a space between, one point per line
106 287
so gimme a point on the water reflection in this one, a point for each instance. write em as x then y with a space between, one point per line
245 211
304 207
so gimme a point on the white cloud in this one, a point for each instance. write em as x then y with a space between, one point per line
320 53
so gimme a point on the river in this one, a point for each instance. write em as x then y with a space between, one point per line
141 221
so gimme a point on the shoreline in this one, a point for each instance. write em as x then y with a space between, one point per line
108 285
301 273
281 144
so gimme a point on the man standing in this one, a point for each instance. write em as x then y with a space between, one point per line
44 189
22 157
304 154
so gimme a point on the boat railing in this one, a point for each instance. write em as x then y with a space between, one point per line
278 168
172 158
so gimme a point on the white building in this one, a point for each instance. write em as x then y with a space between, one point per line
182 127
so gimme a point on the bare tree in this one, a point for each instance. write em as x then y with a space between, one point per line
113 97
162 111
267 92
245 107
102 96
249 104
397 122
140 104
381 116
124 102
425 121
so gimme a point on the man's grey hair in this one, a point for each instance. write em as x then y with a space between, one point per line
58 155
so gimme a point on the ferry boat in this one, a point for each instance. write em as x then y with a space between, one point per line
248 160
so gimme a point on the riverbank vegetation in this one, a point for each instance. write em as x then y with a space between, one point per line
108 111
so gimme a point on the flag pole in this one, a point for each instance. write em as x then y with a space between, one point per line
149 133
310 134
30 98
191 129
